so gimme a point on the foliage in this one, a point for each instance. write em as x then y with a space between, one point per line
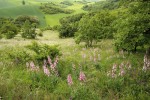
102 5
51 8
132 27
28 31
98 27
44 50
69 25
23 2
46 28
20 20
9 30
66 3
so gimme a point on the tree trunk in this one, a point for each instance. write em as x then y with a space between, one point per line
135 48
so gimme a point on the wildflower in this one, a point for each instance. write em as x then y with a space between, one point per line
113 71
82 76
128 65
113 74
69 79
32 66
46 70
146 63
94 59
49 60
114 67
122 71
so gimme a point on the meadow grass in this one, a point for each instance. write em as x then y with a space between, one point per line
18 82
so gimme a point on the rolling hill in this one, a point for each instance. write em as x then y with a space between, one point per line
14 8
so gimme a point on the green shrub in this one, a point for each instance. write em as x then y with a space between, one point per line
18 55
40 34
9 30
10 34
43 50
67 3
28 31
20 20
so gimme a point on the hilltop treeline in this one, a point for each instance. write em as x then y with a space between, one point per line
51 8
24 24
126 22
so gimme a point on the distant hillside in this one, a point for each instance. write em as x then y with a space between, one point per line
15 8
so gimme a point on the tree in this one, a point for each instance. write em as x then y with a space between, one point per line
94 27
20 20
23 2
28 30
132 28
69 25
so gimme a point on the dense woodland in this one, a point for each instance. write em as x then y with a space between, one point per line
100 51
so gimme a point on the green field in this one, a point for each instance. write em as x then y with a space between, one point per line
15 8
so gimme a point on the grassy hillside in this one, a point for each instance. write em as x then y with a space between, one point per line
54 19
14 8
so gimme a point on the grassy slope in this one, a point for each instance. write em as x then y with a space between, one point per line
54 19
16 80
15 8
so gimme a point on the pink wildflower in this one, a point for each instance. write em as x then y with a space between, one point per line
49 60
82 76
114 67
69 79
46 70
113 72
122 71
128 65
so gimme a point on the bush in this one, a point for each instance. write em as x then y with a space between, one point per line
9 30
28 31
40 34
69 25
18 55
67 3
10 34
20 20
44 50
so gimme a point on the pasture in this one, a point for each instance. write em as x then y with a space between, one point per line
15 8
